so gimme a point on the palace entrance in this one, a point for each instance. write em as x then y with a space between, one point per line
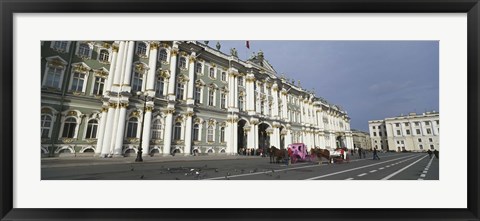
242 136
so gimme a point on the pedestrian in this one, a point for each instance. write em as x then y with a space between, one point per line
430 153
436 152
375 155
342 153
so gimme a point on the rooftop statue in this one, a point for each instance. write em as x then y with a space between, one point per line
218 45
233 52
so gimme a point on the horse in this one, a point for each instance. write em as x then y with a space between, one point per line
276 155
319 153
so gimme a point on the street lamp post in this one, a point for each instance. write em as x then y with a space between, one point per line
143 97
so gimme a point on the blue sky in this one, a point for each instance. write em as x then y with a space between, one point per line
371 80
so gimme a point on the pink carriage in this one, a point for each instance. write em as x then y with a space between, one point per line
298 151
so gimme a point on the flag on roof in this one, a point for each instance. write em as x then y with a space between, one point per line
247 44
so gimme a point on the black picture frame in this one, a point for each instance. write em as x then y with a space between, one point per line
9 7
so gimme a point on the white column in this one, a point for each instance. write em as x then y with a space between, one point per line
250 79
108 129
128 65
235 95
255 133
167 139
251 137
235 132
275 101
119 64
152 64
321 137
101 131
288 137
147 125
173 69
191 81
188 132
284 102
115 127
117 151
276 132
111 73
229 134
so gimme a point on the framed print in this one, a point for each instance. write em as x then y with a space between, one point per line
240 110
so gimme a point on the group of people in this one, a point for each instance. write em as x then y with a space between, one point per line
250 152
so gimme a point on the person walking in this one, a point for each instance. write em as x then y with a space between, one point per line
360 152
375 155
430 153
436 152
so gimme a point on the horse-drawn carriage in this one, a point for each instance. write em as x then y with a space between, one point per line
299 152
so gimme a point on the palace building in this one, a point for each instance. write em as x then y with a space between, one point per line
108 98
412 132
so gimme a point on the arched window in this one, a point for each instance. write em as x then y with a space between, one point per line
103 55
211 73
196 132
84 50
132 127
157 130
177 134
162 55
137 81
46 125
222 134
141 49
69 128
182 63
198 67
92 129
180 90
210 133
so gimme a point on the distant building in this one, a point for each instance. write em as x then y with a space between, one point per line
108 98
406 133
361 139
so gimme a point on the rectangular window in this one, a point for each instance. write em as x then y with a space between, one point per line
438 122
374 134
407 124
430 139
408 132
432 147
397 125
398 132
417 123
53 77
418 131
379 133
180 89
211 97
223 101
427 123
137 81
373 127
240 103
98 87
240 81
224 76
198 95
420 147
60 45
419 139
77 82
429 131
160 83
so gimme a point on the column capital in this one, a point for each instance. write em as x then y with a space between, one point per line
154 45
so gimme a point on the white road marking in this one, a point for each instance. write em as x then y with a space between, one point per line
363 174
381 168
349 179
400 170
419 179
387 166
373 171
425 171
344 171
